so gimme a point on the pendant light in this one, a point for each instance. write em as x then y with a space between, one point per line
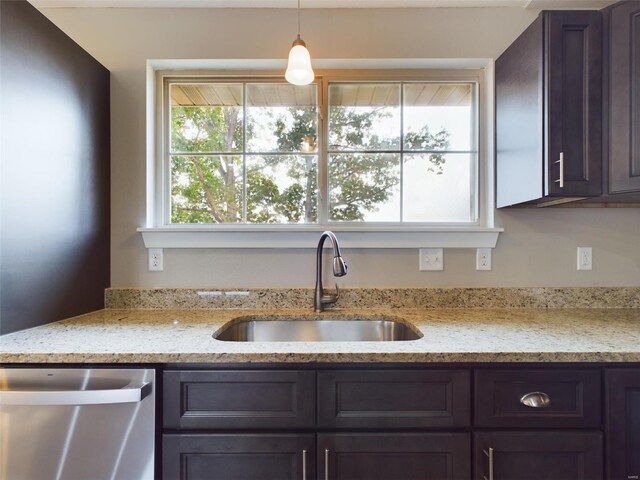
299 71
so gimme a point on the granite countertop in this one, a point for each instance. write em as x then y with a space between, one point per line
450 335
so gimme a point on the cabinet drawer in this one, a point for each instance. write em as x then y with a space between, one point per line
238 456
574 398
393 398
238 399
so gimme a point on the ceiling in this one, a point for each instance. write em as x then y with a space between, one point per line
530 4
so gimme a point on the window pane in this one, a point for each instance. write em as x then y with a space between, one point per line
438 116
438 188
282 189
364 116
206 189
206 118
364 187
281 118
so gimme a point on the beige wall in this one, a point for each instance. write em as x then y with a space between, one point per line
538 247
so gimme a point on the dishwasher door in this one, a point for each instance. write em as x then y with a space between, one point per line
77 424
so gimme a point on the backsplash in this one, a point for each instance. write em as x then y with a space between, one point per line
302 298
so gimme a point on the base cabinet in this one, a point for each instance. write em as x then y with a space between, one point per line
534 455
413 423
401 456
238 456
623 423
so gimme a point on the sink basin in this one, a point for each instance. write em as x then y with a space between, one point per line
315 329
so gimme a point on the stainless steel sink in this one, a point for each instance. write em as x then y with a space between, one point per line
314 329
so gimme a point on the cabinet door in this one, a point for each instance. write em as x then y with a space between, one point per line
538 455
623 424
624 97
238 457
385 456
573 90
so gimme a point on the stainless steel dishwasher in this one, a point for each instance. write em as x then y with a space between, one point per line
76 424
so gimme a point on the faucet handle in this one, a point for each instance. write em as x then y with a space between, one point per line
330 297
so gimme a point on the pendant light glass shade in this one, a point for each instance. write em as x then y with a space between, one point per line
299 71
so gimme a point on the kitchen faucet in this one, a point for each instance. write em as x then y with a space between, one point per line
339 270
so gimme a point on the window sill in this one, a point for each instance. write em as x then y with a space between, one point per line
307 236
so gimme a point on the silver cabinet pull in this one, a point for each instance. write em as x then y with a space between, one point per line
561 162
490 455
326 464
536 400
304 465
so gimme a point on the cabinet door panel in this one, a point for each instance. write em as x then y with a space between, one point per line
519 113
574 102
239 399
383 456
623 424
538 455
393 398
237 457
624 97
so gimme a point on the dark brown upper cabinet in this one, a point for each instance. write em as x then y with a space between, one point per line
622 97
549 111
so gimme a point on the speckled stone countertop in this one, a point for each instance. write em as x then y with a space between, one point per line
450 335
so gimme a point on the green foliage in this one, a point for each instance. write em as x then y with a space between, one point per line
424 140
362 181
352 128
208 188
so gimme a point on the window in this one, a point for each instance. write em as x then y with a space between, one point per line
243 153
242 159
402 152
253 152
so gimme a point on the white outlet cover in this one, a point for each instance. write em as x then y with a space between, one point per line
156 260
585 258
431 259
483 259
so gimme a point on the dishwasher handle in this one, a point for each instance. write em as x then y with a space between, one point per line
134 392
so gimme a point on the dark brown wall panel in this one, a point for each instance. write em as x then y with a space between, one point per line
55 173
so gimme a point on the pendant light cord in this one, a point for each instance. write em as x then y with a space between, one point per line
298 18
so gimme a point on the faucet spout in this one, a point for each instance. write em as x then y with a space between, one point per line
320 299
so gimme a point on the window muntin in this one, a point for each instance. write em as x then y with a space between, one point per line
402 152
393 174
243 153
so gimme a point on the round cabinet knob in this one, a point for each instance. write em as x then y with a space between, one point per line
536 400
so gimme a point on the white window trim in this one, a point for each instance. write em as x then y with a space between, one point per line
157 235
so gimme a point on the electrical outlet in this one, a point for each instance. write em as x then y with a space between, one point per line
585 258
156 260
483 259
431 259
